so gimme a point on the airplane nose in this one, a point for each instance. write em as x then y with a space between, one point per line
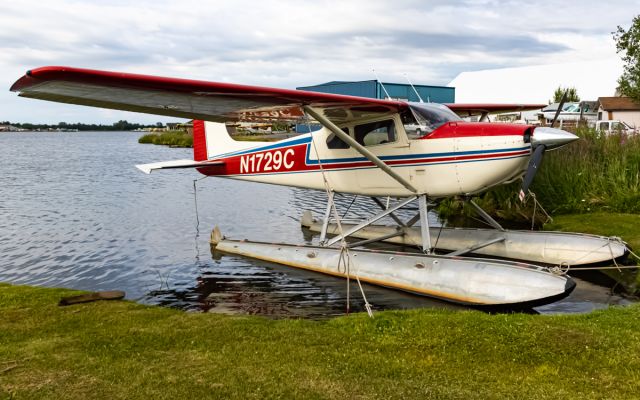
551 138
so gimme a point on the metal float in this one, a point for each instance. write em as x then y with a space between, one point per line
465 280
552 248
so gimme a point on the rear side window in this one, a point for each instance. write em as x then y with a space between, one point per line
334 142
375 133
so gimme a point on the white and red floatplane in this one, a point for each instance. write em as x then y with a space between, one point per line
367 147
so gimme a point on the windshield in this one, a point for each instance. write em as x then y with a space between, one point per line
431 116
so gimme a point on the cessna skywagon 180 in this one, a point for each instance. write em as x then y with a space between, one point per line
363 148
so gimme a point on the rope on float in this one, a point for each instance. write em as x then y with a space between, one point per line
344 249
565 268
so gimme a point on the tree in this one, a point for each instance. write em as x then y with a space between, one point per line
628 45
572 94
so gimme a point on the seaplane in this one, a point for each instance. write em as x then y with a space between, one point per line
368 148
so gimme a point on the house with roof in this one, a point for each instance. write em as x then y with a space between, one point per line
619 108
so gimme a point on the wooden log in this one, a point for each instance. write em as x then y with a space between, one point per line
94 296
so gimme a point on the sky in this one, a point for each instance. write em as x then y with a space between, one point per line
292 43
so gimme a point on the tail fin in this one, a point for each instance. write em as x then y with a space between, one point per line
199 141
212 138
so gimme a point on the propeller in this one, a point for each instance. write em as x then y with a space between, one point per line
560 105
534 163
543 139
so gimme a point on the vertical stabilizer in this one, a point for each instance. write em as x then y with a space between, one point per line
211 139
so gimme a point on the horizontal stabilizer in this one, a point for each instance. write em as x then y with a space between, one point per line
147 168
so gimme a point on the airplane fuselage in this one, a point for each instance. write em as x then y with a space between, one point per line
458 158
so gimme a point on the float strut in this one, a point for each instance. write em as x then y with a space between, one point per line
370 221
477 247
327 215
486 216
392 215
424 224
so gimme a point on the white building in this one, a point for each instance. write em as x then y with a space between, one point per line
536 84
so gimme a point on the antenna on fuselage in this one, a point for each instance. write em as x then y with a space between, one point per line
378 80
413 87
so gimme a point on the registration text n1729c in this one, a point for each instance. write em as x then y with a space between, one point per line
266 162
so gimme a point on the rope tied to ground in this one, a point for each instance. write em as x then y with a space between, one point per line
345 255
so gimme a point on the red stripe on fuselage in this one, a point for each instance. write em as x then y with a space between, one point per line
471 129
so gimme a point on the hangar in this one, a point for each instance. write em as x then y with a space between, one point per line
376 90
397 91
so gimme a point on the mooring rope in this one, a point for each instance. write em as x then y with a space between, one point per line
195 200
565 267
344 249
536 204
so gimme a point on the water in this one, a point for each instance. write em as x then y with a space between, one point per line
74 212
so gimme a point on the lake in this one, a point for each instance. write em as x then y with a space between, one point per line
76 213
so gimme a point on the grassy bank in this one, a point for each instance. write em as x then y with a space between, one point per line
183 139
256 138
596 173
171 138
122 350
626 226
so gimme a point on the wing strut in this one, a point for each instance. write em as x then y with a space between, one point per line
358 147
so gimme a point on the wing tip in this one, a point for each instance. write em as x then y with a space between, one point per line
144 168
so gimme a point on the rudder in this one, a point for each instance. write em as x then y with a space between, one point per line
199 141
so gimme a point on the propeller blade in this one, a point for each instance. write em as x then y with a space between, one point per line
532 169
559 110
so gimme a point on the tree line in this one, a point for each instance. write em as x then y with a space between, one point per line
121 125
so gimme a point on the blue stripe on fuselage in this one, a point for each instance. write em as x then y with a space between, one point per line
307 140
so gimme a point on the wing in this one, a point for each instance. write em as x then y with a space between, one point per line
467 110
211 101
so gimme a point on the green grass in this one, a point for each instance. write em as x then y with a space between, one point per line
626 226
183 139
255 138
596 173
171 138
123 350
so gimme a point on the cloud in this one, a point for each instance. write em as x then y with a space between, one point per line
291 43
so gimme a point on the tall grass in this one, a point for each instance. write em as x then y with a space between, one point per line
171 138
595 173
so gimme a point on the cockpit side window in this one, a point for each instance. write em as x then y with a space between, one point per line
334 142
375 133
412 128
428 117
